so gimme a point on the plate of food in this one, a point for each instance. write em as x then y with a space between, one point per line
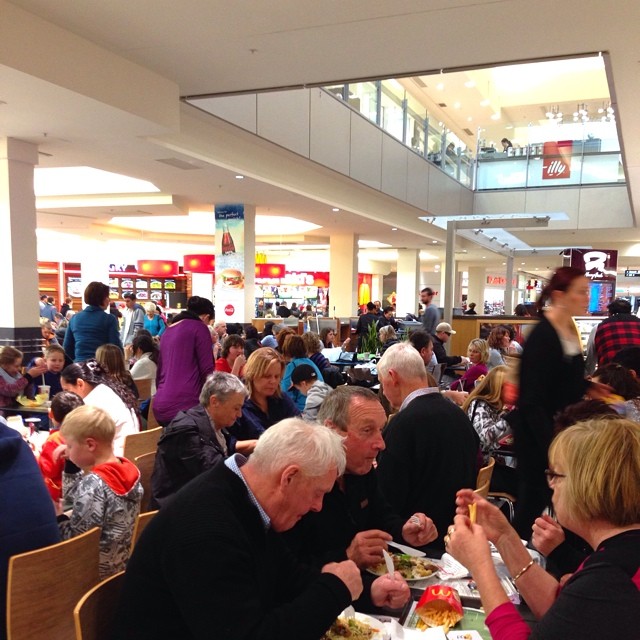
410 568
359 627
38 401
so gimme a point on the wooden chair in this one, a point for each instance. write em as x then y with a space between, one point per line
142 521
43 587
145 463
152 423
144 388
484 479
143 442
94 612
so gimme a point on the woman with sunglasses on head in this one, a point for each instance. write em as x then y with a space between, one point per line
92 383
594 473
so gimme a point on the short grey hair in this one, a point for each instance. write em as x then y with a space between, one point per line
335 407
221 385
314 447
405 360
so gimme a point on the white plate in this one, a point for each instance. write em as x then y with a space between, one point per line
382 569
372 622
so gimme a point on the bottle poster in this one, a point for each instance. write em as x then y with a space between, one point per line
229 246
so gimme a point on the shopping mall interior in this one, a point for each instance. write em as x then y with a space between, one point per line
382 121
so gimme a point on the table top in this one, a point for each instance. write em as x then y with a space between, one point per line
17 408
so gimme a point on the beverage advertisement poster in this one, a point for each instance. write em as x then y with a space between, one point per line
556 163
229 245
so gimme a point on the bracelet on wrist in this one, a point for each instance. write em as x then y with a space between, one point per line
523 570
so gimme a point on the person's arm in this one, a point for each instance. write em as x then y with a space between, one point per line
138 321
162 324
13 389
489 428
538 588
88 508
69 344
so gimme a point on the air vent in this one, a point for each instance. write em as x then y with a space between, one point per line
178 164
420 82
468 132
442 104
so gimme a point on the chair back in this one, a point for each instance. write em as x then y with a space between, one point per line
152 423
142 442
143 385
438 370
484 479
142 521
94 612
145 464
44 585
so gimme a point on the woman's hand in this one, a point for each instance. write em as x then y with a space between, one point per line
547 534
238 365
38 370
467 543
492 520
390 592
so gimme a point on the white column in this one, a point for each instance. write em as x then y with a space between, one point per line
449 272
508 290
19 311
408 282
343 275
477 280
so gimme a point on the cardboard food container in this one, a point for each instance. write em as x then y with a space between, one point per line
440 605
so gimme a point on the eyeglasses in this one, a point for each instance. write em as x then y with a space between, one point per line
552 476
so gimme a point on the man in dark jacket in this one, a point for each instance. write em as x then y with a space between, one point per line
196 439
355 522
431 447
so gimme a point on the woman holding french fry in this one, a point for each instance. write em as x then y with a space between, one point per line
595 477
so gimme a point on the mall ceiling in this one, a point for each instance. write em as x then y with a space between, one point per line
214 47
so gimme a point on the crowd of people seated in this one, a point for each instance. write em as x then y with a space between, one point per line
279 484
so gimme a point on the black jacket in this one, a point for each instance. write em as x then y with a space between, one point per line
441 354
187 447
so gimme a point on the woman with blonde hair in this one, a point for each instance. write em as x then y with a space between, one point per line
487 409
594 473
388 337
266 404
478 352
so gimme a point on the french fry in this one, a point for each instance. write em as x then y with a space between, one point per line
472 513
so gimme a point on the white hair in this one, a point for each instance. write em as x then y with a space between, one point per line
314 447
405 360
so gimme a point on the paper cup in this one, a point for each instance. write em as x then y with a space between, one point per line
44 390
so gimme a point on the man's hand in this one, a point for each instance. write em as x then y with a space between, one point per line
390 592
366 547
419 530
349 573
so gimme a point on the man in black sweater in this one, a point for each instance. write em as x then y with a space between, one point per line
431 447
212 564
355 521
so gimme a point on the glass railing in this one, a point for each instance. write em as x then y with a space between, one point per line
552 156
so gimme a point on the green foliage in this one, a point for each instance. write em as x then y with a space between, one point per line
370 341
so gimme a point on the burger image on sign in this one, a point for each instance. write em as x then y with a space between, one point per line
231 279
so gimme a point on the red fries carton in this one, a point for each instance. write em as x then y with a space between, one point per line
440 606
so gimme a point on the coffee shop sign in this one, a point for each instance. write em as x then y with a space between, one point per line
595 265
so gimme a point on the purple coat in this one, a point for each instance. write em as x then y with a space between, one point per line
186 359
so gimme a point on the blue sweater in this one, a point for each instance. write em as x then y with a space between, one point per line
88 330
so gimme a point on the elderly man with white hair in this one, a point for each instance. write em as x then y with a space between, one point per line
211 564
431 447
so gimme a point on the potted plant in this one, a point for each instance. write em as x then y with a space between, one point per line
370 342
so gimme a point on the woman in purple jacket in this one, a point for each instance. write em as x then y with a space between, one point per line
185 360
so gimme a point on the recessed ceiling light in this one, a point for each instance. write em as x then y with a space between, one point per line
456 105
394 228
335 209
239 177
470 84
440 86
469 119
522 263
464 251
434 241
484 257
495 116
485 103
504 263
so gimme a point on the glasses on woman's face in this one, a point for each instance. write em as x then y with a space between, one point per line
552 476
